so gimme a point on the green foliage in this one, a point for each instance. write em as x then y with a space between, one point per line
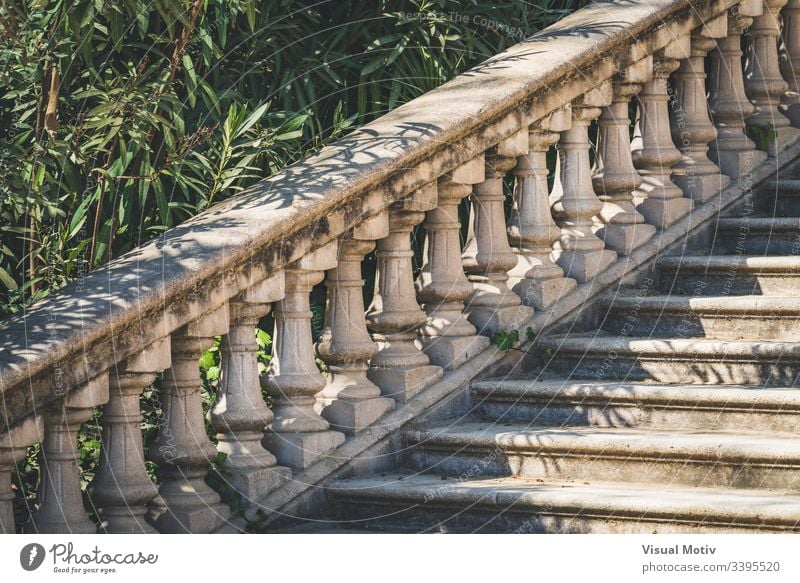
763 136
530 334
119 120
505 339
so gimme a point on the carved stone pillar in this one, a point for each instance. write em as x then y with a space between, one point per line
764 84
299 435
61 509
622 227
13 449
400 368
350 401
659 200
240 414
790 60
122 489
182 449
531 229
488 257
448 338
580 253
733 151
692 130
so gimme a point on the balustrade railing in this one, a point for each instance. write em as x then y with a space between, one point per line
101 341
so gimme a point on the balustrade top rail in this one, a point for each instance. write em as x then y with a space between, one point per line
149 292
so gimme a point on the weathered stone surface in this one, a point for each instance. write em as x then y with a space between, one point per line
350 401
400 368
13 449
240 414
214 256
61 508
764 84
488 257
733 151
579 252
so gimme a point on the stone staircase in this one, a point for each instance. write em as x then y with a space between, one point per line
656 264
676 414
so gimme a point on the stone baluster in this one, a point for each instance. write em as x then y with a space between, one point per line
299 435
579 252
790 60
622 228
182 449
733 151
400 368
764 84
488 257
61 508
692 130
536 279
350 401
13 449
658 199
448 338
240 414
121 488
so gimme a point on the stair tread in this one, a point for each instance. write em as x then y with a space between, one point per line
751 397
635 441
761 223
761 263
623 498
787 305
671 347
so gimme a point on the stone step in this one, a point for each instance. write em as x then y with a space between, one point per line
559 402
757 236
672 360
699 458
428 503
729 275
723 317
779 197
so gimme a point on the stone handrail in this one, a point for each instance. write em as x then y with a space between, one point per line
103 338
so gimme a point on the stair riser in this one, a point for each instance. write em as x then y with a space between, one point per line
619 466
688 324
757 243
697 371
728 283
562 414
432 517
780 203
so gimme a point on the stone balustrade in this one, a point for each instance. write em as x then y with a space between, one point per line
438 171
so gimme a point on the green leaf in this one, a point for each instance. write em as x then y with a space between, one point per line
7 280
505 340
251 120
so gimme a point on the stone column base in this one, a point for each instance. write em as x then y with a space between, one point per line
701 188
625 238
663 212
300 450
253 484
351 416
401 384
191 518
450 352
737 163
541 294
120 520
489 320
582 266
